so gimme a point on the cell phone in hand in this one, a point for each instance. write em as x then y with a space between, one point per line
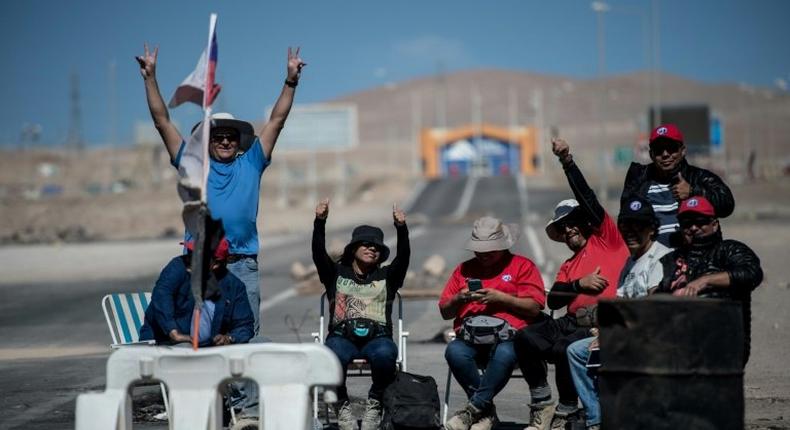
594 359
474 284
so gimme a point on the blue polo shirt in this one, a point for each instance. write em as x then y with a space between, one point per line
233 193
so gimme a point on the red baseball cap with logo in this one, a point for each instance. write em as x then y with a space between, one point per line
697 205
666 131
220 254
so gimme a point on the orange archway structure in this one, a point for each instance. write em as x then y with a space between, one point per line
485 149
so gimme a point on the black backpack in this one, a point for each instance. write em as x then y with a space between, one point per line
411 402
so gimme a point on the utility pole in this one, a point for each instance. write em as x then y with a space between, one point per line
600 8
416 125
654 15
477 125
74 140
113 124
441 98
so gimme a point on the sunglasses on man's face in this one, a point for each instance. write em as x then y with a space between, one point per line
699 222
371 246
669 147
219 137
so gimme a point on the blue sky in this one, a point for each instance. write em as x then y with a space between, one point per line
352 45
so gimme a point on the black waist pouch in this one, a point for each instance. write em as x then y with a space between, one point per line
360 329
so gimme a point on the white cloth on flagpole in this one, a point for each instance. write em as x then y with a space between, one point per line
191 89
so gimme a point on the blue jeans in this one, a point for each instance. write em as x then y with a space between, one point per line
585 380
244 394
246 270
465 360
380 352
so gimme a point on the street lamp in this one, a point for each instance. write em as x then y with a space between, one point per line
600 8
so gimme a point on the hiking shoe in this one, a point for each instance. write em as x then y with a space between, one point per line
540 417
464 418
560 419
246 423
488 421
345 418
372 417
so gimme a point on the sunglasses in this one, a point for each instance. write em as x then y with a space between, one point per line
699 222
669 147
570 221
371 246
221 136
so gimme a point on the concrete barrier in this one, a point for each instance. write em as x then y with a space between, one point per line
284 373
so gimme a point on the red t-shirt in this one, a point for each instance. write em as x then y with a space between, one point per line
604 248
520 278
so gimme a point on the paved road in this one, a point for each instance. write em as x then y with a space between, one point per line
63 321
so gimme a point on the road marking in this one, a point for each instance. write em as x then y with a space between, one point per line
413 234
534 244
291 292
466 197
521 184
415 194
539 257
51 351
278 298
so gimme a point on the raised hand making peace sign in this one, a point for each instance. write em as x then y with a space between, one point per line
295 65
147 62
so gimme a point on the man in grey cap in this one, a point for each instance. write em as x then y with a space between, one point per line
495 287
238 159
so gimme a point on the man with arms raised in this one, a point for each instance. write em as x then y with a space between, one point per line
238 159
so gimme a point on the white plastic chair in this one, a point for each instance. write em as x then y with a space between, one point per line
361 367
125 313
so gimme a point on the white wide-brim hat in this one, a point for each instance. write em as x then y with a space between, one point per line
562 210
245 129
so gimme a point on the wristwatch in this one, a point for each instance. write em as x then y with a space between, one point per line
291 83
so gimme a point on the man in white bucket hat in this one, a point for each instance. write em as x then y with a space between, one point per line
495 287
238 159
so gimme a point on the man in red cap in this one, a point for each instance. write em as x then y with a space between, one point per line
706 265
670 179
226 317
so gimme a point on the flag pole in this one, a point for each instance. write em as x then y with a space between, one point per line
198 279
208 94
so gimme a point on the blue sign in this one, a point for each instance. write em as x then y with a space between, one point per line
716 135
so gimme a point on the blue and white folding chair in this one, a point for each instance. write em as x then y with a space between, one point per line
125 313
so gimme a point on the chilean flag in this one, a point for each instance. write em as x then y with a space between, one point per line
194 88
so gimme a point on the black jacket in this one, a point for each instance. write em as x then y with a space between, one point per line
712 256
703 183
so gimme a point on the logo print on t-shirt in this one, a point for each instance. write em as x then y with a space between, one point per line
507 278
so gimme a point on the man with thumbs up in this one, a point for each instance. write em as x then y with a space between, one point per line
599 254
670 179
